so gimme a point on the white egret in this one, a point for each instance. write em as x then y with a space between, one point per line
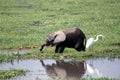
90 41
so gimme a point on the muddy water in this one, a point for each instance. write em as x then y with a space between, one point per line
48 69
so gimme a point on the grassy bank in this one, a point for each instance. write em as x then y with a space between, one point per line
68 54
7 74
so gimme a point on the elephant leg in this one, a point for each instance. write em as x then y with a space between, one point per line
78 46
83 47
56 49
59 49
78 49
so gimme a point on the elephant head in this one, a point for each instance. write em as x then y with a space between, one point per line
53 39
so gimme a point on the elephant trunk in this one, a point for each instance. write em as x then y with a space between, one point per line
43 45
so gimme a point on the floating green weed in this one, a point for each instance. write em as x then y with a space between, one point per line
6 74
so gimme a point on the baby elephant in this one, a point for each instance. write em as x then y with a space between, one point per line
72 38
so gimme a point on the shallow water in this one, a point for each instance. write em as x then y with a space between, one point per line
14 51
104 68
51 69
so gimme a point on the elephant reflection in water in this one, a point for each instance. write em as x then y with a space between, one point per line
64 70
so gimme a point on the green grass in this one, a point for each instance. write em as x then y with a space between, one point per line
26 23
6 74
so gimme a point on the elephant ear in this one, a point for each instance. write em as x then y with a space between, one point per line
60 36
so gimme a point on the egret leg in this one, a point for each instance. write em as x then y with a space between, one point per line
91 48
